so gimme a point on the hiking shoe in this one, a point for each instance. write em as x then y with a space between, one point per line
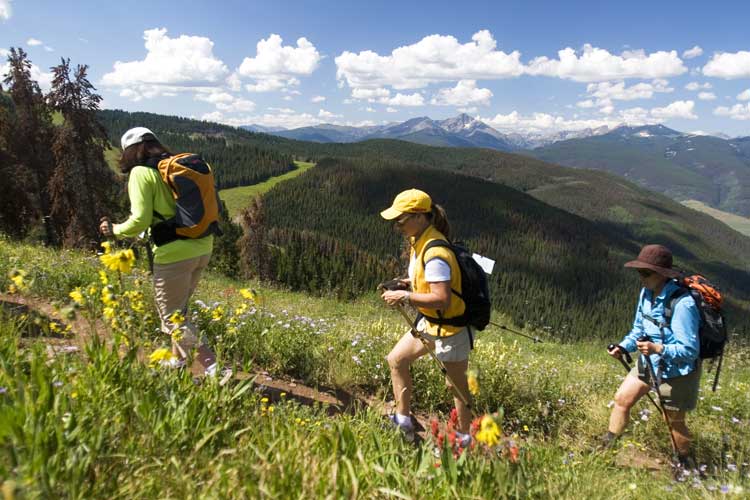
684 466
607 441
407 431
175 363
224 375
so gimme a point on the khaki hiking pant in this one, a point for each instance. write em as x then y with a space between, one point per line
173 285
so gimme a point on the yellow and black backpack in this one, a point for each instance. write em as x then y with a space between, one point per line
193 186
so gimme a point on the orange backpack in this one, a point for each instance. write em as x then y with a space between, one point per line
192 183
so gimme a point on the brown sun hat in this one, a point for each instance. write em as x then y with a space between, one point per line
657 258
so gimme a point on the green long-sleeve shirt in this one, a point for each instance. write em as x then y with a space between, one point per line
148 193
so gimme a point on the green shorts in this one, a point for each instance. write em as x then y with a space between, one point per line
677 393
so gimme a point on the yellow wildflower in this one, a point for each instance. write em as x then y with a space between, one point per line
109 312
248 293
107 246
472 377
264 400
121 261
217 313
77 296
103 278
176 318
489 432
18 277
54 327
108 296
159 356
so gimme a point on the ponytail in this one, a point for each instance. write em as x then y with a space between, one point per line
440 220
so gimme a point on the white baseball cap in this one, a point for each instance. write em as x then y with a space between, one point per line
136 135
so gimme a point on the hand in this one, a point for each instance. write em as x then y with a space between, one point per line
394 297
105 226
648 347
615 351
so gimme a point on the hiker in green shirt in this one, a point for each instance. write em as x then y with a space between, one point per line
178 264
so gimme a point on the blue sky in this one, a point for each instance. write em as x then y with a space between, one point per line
536 67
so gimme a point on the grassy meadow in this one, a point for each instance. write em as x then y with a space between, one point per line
106 423
238 198
736 222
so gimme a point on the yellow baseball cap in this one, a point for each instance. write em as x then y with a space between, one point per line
412 201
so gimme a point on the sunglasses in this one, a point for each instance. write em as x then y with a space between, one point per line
402 220
645 273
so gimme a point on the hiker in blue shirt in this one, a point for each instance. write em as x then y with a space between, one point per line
673 350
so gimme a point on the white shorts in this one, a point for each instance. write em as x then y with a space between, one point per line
450 349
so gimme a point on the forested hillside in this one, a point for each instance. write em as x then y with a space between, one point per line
557 267
709 169
236 162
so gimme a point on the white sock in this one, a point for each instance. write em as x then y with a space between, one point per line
404 420
463 440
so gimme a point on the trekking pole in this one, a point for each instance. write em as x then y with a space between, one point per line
415 333
626 363
655 386
392 285
535 339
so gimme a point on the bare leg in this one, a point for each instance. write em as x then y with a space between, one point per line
404 353
680 432
457 373
631 390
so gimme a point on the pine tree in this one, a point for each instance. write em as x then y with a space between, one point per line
254 255
27 136
82 185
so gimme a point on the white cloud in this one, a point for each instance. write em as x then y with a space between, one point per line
275 66
226 102
548 123
33 42
327 115
287 98
736 112
170 65
5 10
729 65
693 53
465 93
400 99
369 109
541 123
693 86
471 110
47 48
606 92
706 96
391 110
435 58
318 98
234 82
678 109
370 94
595 64
744 96
588 103
270 84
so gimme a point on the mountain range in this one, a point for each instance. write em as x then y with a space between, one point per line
460 131
709 169
714 170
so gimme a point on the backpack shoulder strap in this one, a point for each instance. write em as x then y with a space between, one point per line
434 244
672 302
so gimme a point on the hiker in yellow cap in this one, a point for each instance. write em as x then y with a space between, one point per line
433 273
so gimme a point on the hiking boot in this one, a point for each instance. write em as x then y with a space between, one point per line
684 466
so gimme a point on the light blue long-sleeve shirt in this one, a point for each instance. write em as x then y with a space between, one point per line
681 345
